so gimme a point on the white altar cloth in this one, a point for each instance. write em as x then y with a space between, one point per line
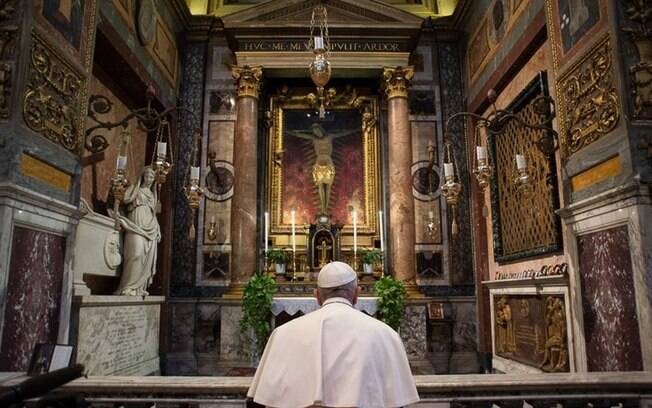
293 305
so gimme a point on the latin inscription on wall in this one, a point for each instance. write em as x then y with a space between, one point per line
118 340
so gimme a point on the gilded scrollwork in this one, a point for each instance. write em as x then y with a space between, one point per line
639 13
590 107
248 80
51 105
396 81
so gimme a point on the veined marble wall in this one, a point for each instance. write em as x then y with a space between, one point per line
609 301
36 234
33 298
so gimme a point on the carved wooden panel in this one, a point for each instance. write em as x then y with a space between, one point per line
524 224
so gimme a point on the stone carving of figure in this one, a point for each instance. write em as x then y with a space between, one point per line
141 235
323 170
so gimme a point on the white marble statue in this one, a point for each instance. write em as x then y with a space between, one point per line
141 235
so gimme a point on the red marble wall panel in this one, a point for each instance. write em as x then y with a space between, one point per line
33 296
609 301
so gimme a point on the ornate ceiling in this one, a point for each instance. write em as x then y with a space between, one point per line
421 8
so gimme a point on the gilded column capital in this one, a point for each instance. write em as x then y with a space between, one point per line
247 80
396 81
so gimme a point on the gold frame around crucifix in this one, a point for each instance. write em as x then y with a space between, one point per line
367 107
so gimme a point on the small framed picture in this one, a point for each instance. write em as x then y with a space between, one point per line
435 311
50 357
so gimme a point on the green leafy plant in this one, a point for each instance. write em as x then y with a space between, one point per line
391 301
256 311
277 256
370 256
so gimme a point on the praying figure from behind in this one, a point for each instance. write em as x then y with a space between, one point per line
335 356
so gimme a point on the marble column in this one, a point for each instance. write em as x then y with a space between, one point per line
401 204
243 203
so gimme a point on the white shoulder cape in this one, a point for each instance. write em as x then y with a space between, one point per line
334 357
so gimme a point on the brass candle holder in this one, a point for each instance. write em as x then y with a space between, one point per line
193 194
119 184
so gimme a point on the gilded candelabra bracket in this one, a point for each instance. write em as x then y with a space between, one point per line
119 185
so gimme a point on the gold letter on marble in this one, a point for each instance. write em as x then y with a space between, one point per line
51 105
247 80
589 104
396 81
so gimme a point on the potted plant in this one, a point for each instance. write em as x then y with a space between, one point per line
256 311
369 257
279 258
391 300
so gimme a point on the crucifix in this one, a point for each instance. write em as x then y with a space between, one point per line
323 247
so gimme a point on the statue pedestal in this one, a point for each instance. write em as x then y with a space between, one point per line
117 335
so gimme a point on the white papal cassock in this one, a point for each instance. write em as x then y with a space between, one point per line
334 357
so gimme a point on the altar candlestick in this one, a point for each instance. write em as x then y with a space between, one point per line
294 242
354 214
380 227
266 230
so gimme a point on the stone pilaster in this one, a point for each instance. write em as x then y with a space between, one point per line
401 205
243 207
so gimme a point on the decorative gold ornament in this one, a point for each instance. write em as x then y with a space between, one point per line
451 188
52 104
396 81
589 104
247 80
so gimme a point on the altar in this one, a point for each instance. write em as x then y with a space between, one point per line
305 305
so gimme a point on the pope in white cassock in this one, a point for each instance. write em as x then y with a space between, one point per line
336 356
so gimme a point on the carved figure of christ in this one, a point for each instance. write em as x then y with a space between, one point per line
323 170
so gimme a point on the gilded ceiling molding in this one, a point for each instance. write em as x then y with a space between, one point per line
52 100
589 104
247 80
396 81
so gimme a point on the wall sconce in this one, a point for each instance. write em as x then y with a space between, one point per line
150 120
496 122
212 229
192 190
452 187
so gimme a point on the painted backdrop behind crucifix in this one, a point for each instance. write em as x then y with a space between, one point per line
323 165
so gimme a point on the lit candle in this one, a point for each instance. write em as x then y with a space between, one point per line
380 227
266 230
294 242
319 42
194 173
212 219
431 214
121 163
520 162
354 214
161 149
448 170
481 151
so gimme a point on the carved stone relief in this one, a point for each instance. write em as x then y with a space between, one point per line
51 104
589 105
